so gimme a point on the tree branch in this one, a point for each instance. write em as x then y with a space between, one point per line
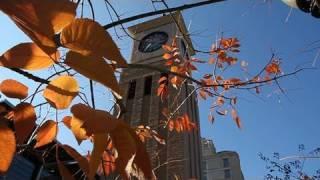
153 13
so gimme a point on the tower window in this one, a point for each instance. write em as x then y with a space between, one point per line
227 174
132 89
225 162
147 85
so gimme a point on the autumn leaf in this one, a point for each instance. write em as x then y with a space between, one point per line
40 20
108 164
94 121
88 38
167 48
14 89
132 155
75 125
94 68
211 118
28 56
181 124
220 101
99 145
167 56
24 117
82 161
46 133
273 68
203 94
162 91
7 147
236 118
145 132
61 91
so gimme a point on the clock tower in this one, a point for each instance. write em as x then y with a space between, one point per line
181 156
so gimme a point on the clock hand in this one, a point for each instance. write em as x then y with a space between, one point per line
147 47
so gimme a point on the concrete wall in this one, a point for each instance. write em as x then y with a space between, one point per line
224 165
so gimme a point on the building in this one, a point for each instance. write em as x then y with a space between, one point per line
224 165
181 156
30 164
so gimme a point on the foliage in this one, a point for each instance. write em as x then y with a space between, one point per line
291 167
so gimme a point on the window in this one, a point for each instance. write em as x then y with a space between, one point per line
147 85
226 162
132 89
227 174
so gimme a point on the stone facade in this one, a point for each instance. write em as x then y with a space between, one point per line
224 165
181 156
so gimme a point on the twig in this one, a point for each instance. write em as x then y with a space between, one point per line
153 13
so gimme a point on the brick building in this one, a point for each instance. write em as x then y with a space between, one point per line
181 156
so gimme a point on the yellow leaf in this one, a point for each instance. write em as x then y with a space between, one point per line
88 37
7 146
28 56
94 68
14 89
99 145
46 133
95 121
24 121
61 91
75 125
40 20
82 161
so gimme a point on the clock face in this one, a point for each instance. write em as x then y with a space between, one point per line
153 42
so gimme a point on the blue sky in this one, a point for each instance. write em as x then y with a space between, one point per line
272 121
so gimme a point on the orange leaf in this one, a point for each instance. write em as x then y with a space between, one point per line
203 94
24 121
167 56
75 125
28 56
82 161
94 68
95 121
132 155
61 91
99 145
108 165
167 48
273 68
236 118
181 124
220 101
14 89
46 133
162 91
7 146
211 118
88 37
40 20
